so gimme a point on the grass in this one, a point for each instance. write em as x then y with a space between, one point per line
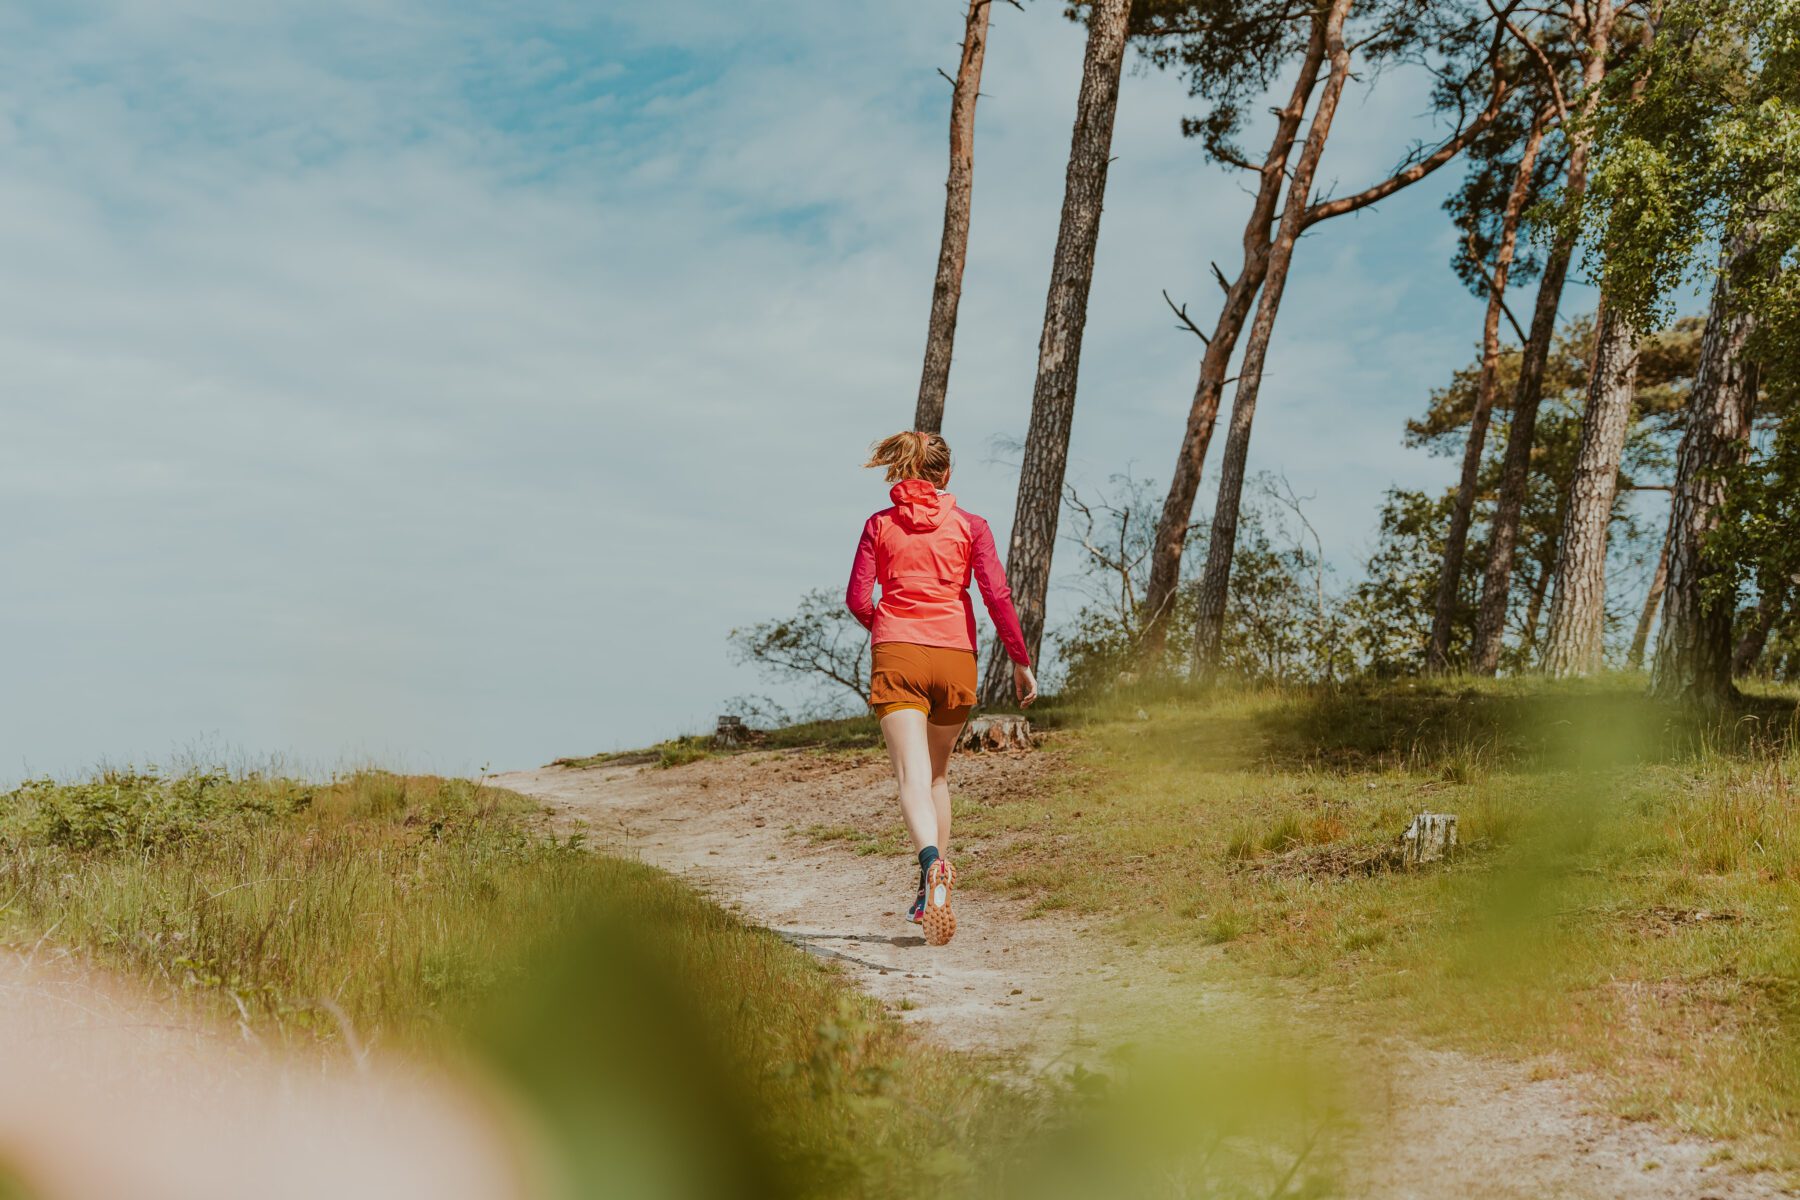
891 841
674 752
381 897
662 1045
843 733
1629 905
428 913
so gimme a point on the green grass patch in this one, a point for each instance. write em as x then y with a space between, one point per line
846 733
1628 902
674 752
888 841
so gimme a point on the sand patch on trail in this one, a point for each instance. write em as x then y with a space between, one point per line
108 1092
746 829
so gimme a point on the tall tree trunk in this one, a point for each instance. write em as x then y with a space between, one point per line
1184 483
1693 649
1578 589
1456 540
1515 467
1652 600
1215 582
1059 349
1578 592
1503 535
1750 647
953 248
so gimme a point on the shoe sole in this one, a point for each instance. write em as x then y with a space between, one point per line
938 920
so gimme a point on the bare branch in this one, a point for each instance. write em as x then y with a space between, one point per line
1224 284
1420 167
1187 321
1231 158
947 78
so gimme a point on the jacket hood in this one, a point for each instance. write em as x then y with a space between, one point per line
919 505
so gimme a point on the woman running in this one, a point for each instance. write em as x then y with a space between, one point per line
923 551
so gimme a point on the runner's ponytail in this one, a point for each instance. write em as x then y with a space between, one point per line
912 455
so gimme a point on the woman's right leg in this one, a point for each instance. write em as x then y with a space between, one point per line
906 733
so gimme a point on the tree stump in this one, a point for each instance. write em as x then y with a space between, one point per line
995 733
731 731
1430 838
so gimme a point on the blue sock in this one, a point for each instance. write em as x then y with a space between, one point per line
927 856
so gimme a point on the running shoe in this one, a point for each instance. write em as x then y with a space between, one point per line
918 907
938 920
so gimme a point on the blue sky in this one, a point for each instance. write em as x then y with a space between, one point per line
438 384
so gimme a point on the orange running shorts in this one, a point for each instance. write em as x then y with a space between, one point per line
937 680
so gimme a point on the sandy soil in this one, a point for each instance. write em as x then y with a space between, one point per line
108 1092
1440 1123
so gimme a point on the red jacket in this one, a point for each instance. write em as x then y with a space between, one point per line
923 552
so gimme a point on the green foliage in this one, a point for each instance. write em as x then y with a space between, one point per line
1696 141
1390 608
1758 537
138 811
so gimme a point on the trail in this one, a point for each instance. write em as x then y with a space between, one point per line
758 832
736 827
109 1092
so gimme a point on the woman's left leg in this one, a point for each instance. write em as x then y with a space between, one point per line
941 740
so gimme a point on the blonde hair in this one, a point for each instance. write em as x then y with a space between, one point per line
914 454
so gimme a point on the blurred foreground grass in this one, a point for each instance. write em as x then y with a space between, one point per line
1628 903
659 1046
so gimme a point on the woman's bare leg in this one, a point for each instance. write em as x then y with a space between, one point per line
941 740
909 742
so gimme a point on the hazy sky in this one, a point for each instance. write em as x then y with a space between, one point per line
438 384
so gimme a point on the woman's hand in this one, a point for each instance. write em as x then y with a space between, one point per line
1024 685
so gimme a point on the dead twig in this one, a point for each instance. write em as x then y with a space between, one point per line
1186 320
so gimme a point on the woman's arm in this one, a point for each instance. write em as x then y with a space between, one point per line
859 597
990 577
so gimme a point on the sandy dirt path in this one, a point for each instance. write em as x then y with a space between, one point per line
737 829
108 1092
747 830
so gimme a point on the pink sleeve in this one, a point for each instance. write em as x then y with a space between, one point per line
990 577
860 595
